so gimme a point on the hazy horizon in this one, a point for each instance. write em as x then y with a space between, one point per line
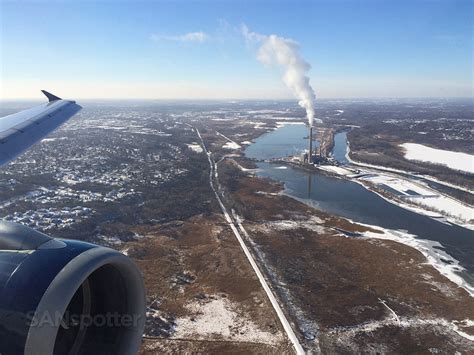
41 98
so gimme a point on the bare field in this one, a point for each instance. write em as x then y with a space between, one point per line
346 291
201 287
178 346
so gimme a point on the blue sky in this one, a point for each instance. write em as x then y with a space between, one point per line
194 49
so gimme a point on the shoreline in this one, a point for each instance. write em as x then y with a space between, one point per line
393 170
435 215
431 250
417 209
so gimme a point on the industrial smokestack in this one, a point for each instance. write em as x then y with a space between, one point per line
310 153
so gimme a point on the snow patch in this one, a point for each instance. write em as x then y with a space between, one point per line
385 168
416 193
231 145
453 160
195 147
45 140
259 125
312 224
218 318
284 123
336 170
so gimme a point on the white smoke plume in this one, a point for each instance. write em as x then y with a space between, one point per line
285 52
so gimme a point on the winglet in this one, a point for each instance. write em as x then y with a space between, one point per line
50 96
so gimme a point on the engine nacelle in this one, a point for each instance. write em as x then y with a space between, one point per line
61 296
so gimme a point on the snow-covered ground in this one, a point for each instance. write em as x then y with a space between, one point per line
231 145
242 168
313 224
336 170
45 140
284 123
385 168
195 147
453 160
441 203
415 193
219 318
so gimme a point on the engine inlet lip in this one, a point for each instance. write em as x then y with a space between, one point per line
41 339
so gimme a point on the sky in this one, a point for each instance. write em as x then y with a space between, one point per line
196 49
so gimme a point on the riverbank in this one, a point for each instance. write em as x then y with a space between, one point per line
340 196
410 195
396 162
400 188
333 285
414 194
441 261
431 250
385 168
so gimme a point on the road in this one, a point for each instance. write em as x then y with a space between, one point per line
227 138
276 306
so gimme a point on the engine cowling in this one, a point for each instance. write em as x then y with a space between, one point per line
61 296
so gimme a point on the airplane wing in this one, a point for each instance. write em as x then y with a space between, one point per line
21 130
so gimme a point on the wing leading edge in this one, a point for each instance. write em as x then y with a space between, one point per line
21 130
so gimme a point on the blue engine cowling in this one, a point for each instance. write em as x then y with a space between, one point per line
66 297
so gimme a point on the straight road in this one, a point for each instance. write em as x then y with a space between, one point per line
276 306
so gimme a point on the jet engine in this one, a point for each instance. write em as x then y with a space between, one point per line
60 296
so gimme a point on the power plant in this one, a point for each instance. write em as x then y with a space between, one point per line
312 157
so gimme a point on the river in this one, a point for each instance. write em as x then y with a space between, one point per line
351 200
